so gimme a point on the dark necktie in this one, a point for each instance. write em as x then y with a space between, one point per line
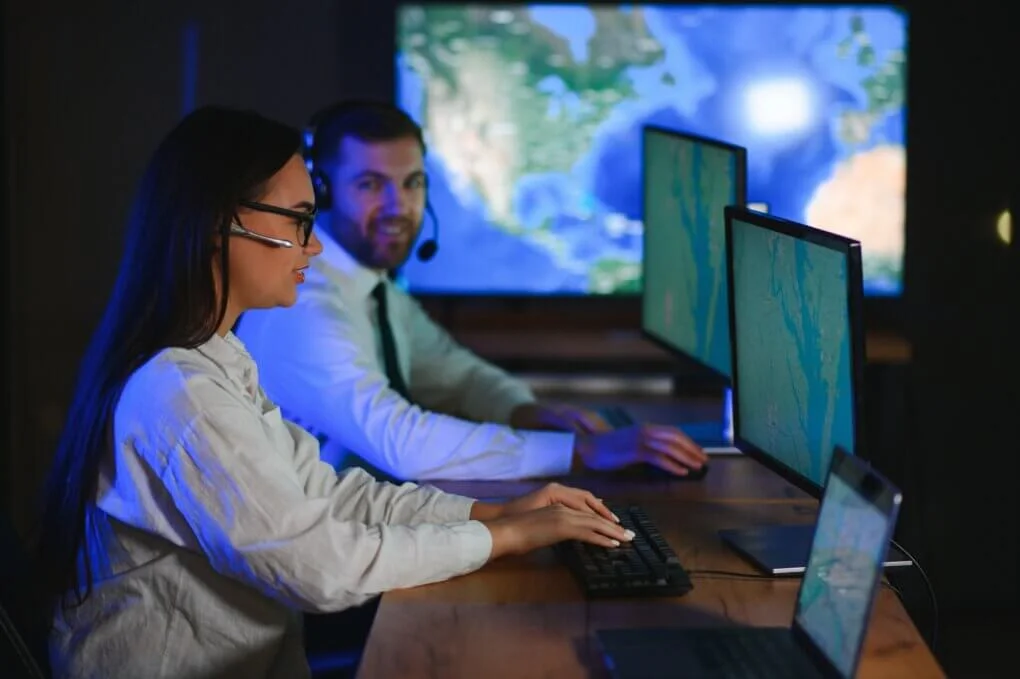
389 347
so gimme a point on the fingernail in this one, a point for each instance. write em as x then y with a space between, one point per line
615 517
615 543
628 535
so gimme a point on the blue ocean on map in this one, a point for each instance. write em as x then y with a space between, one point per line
533 115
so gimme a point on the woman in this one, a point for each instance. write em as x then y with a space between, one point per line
186 525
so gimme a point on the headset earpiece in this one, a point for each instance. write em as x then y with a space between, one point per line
320 185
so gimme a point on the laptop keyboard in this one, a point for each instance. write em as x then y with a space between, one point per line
753 655
706 652
647 566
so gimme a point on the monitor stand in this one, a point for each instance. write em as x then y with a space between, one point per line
784 549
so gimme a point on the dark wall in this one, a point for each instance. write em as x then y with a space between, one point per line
89 91
90 88
962 304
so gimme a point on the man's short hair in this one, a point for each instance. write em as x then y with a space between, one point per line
365 120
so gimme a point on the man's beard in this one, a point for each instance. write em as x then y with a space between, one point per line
363 244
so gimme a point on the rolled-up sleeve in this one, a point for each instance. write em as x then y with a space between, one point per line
253 516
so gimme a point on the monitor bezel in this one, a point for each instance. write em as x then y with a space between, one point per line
851 250
878 491
740 156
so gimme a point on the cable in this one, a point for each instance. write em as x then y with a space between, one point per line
733 575
892 588
931 595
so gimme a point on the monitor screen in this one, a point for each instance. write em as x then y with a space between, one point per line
688 182
797 344
835 596
533 116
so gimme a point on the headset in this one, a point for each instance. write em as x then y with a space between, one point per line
335 115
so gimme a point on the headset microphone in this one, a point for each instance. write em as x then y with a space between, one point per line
430 246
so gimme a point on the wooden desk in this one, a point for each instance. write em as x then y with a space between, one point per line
525 616
730 479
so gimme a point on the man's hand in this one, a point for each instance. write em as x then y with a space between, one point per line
665 447
557 417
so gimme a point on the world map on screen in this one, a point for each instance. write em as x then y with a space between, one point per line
533 115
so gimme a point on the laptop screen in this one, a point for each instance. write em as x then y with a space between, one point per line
835 597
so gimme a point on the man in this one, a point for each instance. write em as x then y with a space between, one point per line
358 362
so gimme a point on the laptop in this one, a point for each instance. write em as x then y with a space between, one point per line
855 525
715 437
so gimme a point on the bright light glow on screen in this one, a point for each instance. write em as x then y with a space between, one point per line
533 114
780 106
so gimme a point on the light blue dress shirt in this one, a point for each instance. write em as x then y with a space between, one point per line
322 361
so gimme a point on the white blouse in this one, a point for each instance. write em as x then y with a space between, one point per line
216 524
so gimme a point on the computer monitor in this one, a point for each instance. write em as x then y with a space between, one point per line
688 181
797 340
533 115
797 344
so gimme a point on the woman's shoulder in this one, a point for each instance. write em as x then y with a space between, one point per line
173 381
175 364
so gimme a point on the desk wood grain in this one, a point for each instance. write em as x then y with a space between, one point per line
731 479
525 616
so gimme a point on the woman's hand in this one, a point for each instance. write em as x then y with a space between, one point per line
547 496
556 494
535 528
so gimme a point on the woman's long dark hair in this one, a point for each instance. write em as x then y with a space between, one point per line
165 296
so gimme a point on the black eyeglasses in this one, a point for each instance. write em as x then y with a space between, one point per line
305 223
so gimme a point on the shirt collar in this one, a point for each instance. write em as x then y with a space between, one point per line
354 278
230 354
227 350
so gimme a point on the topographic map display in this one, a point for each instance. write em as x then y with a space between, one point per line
837 588
533 116
685 288
794 388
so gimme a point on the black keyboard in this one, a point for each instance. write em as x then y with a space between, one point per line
646 566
